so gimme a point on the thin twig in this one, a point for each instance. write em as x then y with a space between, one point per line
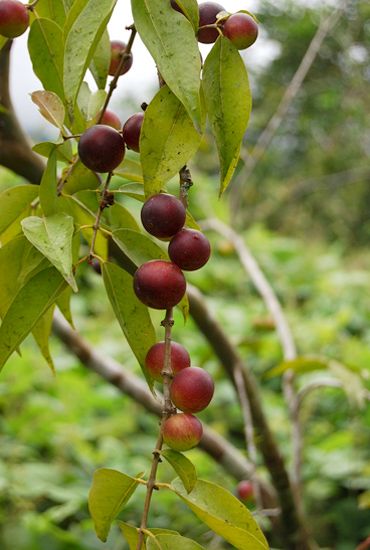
168 410
104 202
113 84
265 138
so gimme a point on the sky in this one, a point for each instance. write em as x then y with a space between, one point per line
137 84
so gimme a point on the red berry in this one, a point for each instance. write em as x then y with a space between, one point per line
189 249
241 29
182 432
14 18
154 360
192 390
118 48
101 148
208 12
131 131
111 119
163 215
245 490
159 284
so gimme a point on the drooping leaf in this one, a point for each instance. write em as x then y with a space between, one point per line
30 304
138 247
110 491
170 542
52 9
14 201
165 33
41 333
300 365
131 314
131 535
45 45
184 468
52 236
100 62
130 170
85 24
117 216
228 101
190 9
167 140
50 106
64 305
64 150
223 513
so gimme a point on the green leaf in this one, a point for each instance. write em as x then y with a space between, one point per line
64 150
169 542
138 247
133 190
78 177
223 513
228 101
48 186
52 236
165 32
45 45
52 9
41 333
83 218
96 103
167 140
64 305
190 9
117 216
29 305
20 260
14 202
50 106
131 314
3 41
99 66
85 24
131 535
130 170
109 493
184 468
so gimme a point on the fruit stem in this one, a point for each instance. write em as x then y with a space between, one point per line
31 5
168 410
104 202
113 84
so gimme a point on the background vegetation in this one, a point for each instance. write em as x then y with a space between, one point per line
304 213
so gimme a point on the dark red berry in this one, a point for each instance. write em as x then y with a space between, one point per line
118 49
192 390
101 148
14 18
208 12
163 215
131 131
159 284
189 249
111 119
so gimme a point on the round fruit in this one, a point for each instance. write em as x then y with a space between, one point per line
182 432
14 18
101 148
154 360
192 390
189 249
131 131
159 284
245 490
163 215
117 49
95 264
111 119
207 16
241 29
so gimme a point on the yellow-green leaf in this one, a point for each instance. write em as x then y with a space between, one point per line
13 202
41 333
109 493
184 468
166 541
50 106
223 513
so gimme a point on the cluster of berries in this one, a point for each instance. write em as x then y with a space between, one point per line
160 284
